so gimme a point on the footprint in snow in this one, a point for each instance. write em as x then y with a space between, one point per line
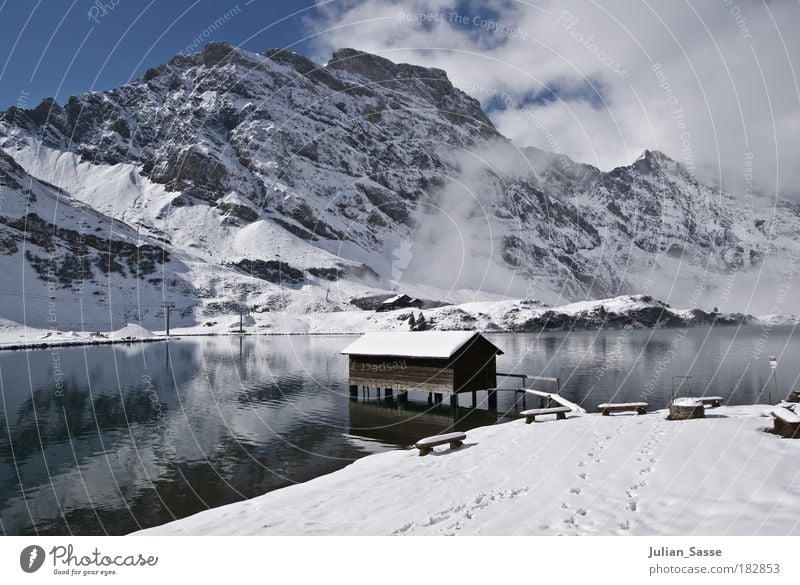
575 490
436 519
581 463
581 511
632 506
625 525
582 475
404 529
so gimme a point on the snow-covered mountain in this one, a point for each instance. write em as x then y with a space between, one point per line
228 178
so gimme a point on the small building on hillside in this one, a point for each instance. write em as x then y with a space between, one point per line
440 362
399 302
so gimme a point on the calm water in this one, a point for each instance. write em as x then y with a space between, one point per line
139 435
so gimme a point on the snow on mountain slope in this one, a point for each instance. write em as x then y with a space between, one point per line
68 266
276 182
63 261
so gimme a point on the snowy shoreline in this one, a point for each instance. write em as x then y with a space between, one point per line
625 312
78 343
590 474
19 337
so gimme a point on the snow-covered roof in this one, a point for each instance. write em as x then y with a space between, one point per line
393 299
433 344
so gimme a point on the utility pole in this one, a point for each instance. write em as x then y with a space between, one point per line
167 307
242 311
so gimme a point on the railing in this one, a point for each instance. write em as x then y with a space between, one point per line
554 396
534 377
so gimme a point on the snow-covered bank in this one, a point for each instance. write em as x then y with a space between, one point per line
589 474
513 316
14 336
636 311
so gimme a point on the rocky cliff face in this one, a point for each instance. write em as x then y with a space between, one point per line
300 178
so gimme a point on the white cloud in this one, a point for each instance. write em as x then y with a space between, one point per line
729 65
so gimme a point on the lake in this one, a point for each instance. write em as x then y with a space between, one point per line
111 439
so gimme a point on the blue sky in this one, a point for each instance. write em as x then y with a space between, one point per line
53 47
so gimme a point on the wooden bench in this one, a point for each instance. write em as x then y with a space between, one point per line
712 401
786 423
559 411
637 407
427 444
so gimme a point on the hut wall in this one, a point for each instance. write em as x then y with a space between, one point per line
435 375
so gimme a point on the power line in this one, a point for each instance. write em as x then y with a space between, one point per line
168 306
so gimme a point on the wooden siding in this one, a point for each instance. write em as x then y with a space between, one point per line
471 368
475 366
434 375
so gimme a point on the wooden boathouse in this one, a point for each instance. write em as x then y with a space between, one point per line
437 362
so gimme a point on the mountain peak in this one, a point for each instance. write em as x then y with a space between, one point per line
655 155
651 161
380 69
428 82
216 52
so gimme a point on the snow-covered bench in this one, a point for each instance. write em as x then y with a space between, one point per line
427 444
786 423
559 411
712 401
609 407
